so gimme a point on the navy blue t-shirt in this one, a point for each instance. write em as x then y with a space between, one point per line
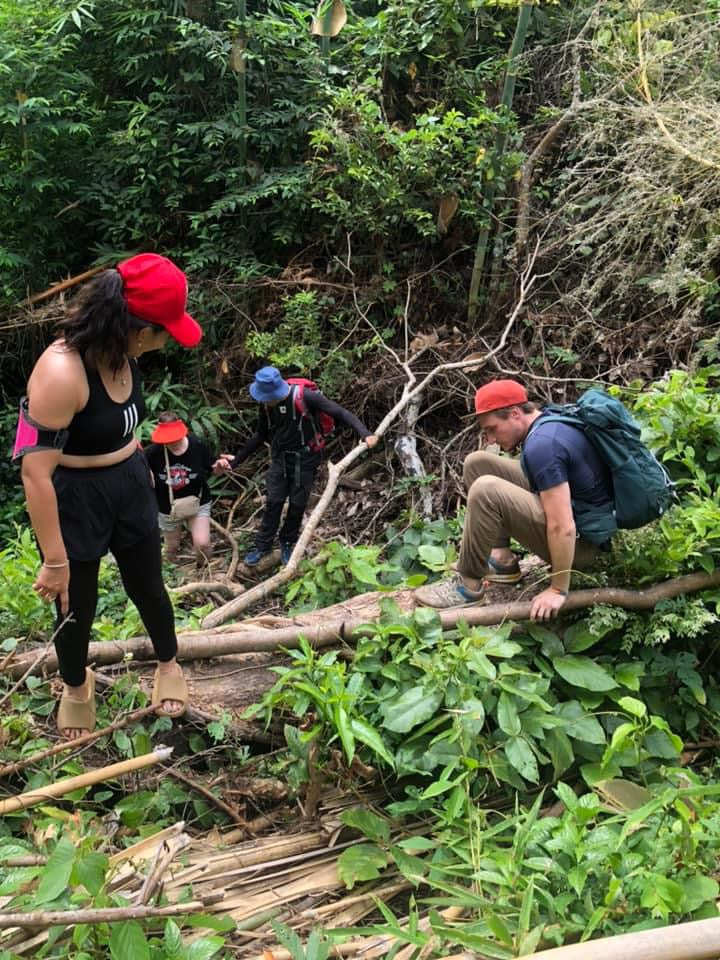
555 453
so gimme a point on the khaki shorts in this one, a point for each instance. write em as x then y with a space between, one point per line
168 525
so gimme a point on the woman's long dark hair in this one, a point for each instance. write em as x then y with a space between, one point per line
98 322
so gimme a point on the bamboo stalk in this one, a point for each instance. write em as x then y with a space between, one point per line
69 918
62 787
698 940
66 745
63 285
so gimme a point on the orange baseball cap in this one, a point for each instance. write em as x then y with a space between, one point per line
498 394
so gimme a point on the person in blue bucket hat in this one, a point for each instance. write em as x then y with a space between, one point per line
296 419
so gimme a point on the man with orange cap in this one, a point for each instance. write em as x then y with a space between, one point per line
532 500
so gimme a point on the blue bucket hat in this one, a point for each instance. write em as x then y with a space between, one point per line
269 386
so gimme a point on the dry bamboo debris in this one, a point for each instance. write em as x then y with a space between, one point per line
327 631
252 881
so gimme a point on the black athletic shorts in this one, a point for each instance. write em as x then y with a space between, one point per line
105 508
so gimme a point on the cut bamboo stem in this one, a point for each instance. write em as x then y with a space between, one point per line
69 918
62 787
698 940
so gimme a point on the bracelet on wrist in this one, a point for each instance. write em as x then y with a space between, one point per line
56 566
563 593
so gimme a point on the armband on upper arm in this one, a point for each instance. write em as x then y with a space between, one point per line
32 436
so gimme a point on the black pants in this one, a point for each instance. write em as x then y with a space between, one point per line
290 477
140 569
110 508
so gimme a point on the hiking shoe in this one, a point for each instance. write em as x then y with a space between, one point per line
503 573
286 550
448 593
253 558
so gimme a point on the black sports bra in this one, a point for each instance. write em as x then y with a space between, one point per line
103 426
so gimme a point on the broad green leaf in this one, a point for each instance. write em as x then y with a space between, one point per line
56 875
522 758
172 941
698 890
204 949
417 843
507 716
432 555
455 803
567 795
579 637
579 724
635 708
361 862
472 715
368 823
439 787
628 674
584 672
363 572
127 941
560 749
479 663
342 723
367 734
412 707
428 625
505 649
413 869
550 643
91 870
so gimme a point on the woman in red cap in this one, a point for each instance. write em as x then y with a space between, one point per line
181 464
87 484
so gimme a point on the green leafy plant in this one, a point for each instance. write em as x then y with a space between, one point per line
338 571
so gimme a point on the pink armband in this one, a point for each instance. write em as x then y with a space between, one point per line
32 436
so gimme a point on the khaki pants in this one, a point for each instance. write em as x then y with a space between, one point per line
500 505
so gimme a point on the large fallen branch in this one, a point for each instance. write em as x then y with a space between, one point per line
411 390
328 629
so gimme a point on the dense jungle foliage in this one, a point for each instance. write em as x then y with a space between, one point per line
348 208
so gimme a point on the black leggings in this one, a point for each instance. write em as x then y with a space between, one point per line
140 568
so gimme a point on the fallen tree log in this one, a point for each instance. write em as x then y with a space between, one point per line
337 624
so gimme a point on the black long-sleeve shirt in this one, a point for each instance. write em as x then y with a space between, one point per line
286 430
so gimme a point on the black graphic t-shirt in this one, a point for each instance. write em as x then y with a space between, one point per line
188 472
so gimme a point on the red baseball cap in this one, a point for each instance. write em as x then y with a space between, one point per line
498 394
155 290
169 432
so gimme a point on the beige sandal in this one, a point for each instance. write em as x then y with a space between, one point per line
75 713
170 686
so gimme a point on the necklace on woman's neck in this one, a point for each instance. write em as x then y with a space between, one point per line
122 375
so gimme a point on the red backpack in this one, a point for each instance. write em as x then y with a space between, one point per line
323 423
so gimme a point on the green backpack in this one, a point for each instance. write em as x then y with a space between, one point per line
642 489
